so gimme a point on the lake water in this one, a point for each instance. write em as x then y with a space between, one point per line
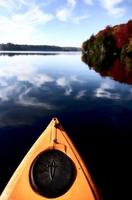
95 111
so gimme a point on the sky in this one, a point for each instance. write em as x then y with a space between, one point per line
59 22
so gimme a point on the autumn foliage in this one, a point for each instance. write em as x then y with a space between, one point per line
110 52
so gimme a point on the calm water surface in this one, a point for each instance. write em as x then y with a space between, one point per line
95 111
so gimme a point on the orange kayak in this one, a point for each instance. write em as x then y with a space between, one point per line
51 169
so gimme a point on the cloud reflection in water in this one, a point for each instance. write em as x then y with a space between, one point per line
30 83
33 87
113 90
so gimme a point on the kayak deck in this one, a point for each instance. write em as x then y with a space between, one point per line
51 169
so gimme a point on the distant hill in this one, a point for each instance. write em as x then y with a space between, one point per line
24 47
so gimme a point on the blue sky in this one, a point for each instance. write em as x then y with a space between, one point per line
59 22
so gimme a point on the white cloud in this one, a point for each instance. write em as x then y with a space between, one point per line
13 6
118 12
111 3
6 92
3 83
80 94
106 90
77 19
37 80
20 73
9 5
74 78
12 30
71 3
33 16
41 79
88 2
65 83
23 27
62 82
113 7
68 91
19 92
65 13
25 100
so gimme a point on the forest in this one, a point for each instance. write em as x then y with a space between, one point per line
25 47
109 52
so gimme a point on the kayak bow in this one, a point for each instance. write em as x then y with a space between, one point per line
51 169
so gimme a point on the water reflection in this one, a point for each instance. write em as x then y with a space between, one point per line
116 71
39 53
30 83
96 112
27 54
25 83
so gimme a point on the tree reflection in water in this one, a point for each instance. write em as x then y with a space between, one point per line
116 71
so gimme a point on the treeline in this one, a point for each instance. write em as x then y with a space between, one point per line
100 50
24 47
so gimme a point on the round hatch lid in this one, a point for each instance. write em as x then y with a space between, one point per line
52 173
